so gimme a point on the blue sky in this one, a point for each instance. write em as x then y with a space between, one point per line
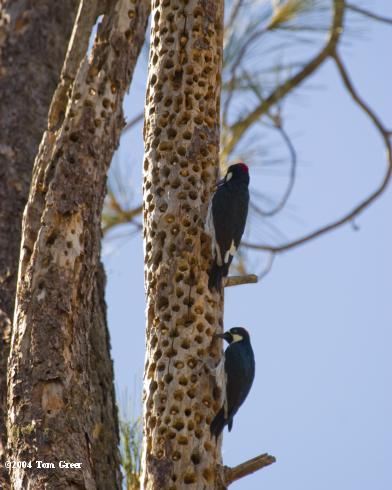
320 321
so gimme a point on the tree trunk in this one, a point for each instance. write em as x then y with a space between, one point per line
29 69
60 397
180 171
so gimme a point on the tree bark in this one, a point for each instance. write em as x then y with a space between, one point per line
60 395
181 392
33 42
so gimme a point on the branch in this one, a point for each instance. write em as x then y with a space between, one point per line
77 48
368 13
120 217
244 469
268 267
239 280
385 135
293 169
238 129
277 124
233 73
234 13
133 122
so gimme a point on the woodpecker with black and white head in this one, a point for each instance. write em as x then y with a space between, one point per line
226 221
239 365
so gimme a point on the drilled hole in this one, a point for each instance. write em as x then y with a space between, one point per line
178 395
175 183
195 458
162 303
185 344
191 363
158 354
189 478
198 418
158 258
209 318
172 133
208 446
207 402
191 393
174 410
171 353
178 425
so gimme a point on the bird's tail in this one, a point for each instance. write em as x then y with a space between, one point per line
218 424
216 275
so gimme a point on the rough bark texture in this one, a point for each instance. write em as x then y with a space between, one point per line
60 398
33 40
180 170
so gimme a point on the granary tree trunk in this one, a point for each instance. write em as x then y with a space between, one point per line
180 171
33 42
60 394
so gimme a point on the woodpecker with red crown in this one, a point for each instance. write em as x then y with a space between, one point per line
239 366
226 221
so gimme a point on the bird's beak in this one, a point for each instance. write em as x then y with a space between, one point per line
225 336
221 182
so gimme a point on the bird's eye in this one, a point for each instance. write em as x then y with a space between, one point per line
229 176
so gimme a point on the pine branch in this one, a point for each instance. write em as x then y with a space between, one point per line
348 217
239 128
368 13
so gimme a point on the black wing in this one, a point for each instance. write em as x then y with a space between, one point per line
230 206
240 371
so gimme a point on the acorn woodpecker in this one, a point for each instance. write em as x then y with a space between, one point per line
226 221
239 368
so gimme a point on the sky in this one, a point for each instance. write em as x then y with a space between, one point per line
320 321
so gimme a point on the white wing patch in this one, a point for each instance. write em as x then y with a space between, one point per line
232 251
221 378
210 229
225 408
225 403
